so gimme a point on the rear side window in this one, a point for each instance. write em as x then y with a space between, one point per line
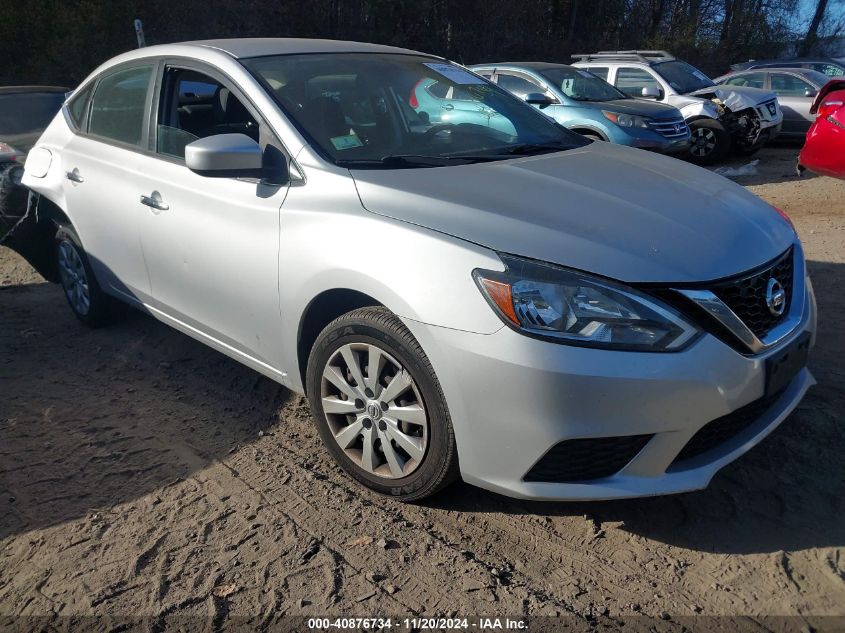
752 80
118 108
831 70
631 81
599 71
77 105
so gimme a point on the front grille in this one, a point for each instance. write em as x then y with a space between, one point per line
586 459
721 430
747 296
769 109
674 128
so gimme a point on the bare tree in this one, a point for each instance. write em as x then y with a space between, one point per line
813 30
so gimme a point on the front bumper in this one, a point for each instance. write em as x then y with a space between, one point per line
651 140
512 398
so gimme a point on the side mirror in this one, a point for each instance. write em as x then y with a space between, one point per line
650 92
809 92
538 99
225 155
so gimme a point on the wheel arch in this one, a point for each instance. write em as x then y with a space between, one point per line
584 129
320 311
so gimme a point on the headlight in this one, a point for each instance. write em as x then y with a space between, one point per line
572 307
627 120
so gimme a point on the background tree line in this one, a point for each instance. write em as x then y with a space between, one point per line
61 41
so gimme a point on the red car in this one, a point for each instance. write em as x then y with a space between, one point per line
824 151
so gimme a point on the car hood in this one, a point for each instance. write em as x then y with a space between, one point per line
635 106
607 209
736 97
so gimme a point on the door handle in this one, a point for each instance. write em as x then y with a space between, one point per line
74 176
154 201
448 106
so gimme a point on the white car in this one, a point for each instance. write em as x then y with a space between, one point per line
721 118
543 315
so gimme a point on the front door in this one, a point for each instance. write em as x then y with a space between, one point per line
793 97
212 243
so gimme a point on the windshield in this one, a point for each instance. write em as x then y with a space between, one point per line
582 85
683 77
392 111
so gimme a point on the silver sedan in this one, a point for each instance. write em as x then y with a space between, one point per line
539 314
796 89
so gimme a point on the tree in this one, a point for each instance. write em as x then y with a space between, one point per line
813 30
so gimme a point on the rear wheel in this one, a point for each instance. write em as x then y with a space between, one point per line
378 406
89 303
710 142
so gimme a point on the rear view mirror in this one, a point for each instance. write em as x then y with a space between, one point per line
225 155
809 92
650 92
538 99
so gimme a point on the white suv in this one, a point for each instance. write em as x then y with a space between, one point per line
720 117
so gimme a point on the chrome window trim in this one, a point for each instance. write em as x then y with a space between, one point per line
708 301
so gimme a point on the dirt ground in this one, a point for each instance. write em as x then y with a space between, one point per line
144 474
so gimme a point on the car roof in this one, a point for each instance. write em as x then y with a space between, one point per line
527 65
10 90
242 48
790 60
807 73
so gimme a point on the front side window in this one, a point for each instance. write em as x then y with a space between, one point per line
789 85
632 81
398 111
519 86
118 107
581 85
193 106
752 80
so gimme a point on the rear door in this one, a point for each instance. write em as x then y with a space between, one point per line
102 168
211 243
792 92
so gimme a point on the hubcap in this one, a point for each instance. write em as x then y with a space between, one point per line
74 278
703 141
374 410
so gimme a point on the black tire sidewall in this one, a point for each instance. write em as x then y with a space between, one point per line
362 330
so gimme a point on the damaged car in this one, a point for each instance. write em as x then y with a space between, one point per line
25 111
721 118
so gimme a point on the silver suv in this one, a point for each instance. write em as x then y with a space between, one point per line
453 299
720 118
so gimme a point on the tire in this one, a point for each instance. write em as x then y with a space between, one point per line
84 296
355 423
710 142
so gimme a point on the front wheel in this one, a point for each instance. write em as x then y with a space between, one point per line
710 142
379 407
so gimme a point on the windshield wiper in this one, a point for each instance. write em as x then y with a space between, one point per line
536 148
416 160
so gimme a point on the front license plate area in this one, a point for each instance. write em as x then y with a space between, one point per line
784 366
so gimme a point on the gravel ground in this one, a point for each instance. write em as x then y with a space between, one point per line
143 474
